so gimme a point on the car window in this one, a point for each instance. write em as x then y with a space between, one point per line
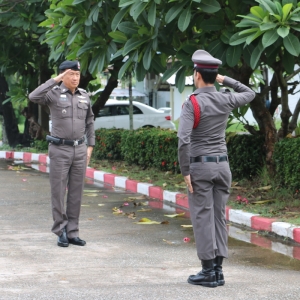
122 110
136 110
105 112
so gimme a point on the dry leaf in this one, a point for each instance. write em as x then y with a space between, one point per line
137 198
146 221
165 222
143 209
262 201
84 205
101 216
91 191
187 226
268 187
168 242
101 204
91 195
175 215
131 215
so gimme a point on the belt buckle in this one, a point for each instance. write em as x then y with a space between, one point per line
75 143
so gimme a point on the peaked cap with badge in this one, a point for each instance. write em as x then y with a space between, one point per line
204 60
68 64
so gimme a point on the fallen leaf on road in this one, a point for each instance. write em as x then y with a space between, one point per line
168 242
137 198
84 205
146 221
91 191
175 215
186 239
143 209
101 204
91 195
187 226
131 215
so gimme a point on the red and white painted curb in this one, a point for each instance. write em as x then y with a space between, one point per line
180 204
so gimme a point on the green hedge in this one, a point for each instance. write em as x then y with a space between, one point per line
108 144
246 155
286 158
147 147
153 147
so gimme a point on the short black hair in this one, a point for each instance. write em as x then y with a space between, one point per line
208 75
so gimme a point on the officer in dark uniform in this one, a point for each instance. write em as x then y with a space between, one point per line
72 119
204 162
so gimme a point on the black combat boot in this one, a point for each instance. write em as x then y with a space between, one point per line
206 277
218 270
62 240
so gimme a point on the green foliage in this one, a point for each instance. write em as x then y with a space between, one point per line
272 23
151 147
40 145
108 144
246 155
147 147
157 148
286 157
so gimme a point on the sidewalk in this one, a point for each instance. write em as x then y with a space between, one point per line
253 221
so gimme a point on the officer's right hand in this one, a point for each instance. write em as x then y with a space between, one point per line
187 180
220 78
60 76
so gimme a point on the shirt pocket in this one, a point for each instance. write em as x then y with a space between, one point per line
82 109
64 109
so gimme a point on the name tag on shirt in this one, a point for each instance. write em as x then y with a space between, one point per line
63 98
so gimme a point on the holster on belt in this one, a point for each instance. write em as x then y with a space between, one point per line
53 140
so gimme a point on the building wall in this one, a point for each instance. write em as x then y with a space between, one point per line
177 99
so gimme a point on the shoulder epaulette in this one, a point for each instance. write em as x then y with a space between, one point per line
55 87
82 90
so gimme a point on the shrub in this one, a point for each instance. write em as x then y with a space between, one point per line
286 158
108 144
246 155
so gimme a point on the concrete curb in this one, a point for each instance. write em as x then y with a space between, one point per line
180 203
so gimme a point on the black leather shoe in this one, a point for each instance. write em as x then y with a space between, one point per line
62 240
77 241
206 277
218 269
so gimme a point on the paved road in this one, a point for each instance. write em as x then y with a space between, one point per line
121 260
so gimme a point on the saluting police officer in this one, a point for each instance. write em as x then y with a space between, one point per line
204 162
72 119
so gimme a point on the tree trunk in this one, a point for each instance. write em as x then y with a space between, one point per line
100 102
293 123
267 128
10 121
285 113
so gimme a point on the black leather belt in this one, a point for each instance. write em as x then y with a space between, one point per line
209 159
72 142
59 141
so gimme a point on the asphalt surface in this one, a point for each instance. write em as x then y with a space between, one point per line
122 260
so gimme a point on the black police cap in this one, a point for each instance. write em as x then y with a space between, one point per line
68 64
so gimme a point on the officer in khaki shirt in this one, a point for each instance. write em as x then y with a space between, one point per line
204 162
72 119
